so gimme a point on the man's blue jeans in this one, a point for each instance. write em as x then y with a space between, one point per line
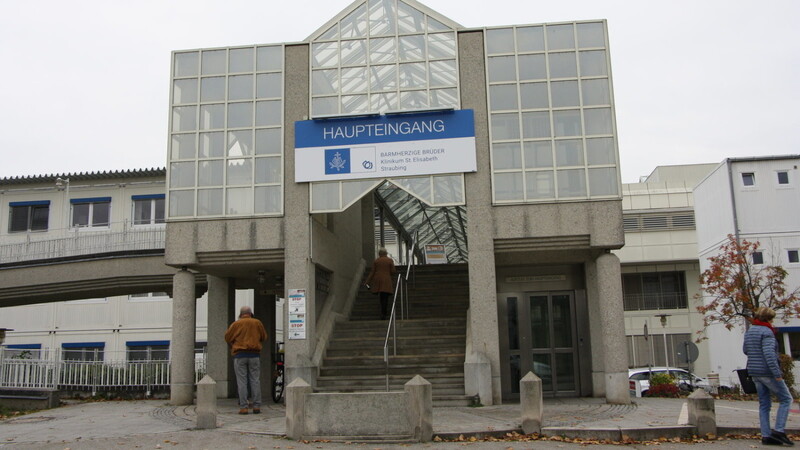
248 368
766 386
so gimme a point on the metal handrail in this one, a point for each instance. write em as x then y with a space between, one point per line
392 328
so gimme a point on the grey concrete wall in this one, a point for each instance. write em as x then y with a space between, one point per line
221 297
356 414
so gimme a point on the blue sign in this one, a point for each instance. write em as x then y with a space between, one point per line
385 146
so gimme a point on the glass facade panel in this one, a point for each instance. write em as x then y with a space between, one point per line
355 24
409 20
505 126
354 80
269 58
269 85
354 52
383 78
240 87
239 201
325 54
383 50
184 118
209 202
536 125
240 115
441 45
240 172
600 151
591 35
181 203
507 156
560 37
212 89
181 174
530 39
184 91
500 41
210 173
534 95
443 73
212 117
213 62
538 154
268 200
595 92
598 121
268 113
183 146
603 181
212 145
502 68
532 67
539 185
324 82
448 189
325 196
508 186
503 97
412 75
571 183
564 93
594 64
567 123
241 60
186 64
562 65
569 152
240 143
412 48
268 141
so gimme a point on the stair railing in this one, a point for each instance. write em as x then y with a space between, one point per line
391 330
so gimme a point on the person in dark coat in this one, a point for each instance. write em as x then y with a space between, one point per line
763 366
379 280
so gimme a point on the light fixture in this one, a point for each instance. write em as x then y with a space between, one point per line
62 183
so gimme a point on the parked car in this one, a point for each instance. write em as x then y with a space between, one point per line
685 380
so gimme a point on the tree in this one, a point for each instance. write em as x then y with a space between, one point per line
733 288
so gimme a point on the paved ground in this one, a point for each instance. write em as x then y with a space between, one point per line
155 424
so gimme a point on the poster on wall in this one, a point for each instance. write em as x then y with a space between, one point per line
382 146
435 254
297 313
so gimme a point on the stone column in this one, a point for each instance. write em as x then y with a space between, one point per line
298 266
611 315
183 335
220 299
595 331
485 334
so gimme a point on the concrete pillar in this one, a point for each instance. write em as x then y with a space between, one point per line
609 291
206 403
295 408
420 407
367 204
183 336
480 232
264 310
299 265
702 413
595 331
220 300
531 403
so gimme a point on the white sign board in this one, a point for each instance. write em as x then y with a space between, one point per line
435 254
396 145
297 313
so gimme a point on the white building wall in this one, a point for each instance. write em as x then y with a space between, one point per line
766 212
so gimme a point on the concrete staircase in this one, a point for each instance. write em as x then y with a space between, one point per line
430 342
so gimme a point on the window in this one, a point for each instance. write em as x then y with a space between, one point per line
657 290
148 350
794 257
148 209
783 177
758 258
749 179
82 351
28 216
149 296
22 351
91 212
642 352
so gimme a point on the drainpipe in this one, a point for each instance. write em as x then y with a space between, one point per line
733 199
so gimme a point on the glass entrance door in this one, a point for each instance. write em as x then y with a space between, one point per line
541 338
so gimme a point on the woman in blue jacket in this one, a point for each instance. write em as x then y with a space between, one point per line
761 349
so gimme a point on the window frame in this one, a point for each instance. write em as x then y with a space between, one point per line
778 174
92 202
752 176
760 256
29 207
153 201
796 252
85 348
680 296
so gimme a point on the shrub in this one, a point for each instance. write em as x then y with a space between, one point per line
662 385
787 369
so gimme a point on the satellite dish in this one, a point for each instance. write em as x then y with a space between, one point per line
687 352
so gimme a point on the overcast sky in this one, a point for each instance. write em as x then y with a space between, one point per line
84 85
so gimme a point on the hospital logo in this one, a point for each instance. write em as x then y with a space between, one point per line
340 161
337 161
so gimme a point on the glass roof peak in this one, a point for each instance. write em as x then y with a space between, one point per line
383 17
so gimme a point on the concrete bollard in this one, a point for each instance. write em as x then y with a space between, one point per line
420 407
701 413
206 403
295 408
530 399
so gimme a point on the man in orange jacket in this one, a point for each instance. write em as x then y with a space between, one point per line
245 336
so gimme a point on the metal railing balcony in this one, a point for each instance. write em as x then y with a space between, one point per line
665 300
65 243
